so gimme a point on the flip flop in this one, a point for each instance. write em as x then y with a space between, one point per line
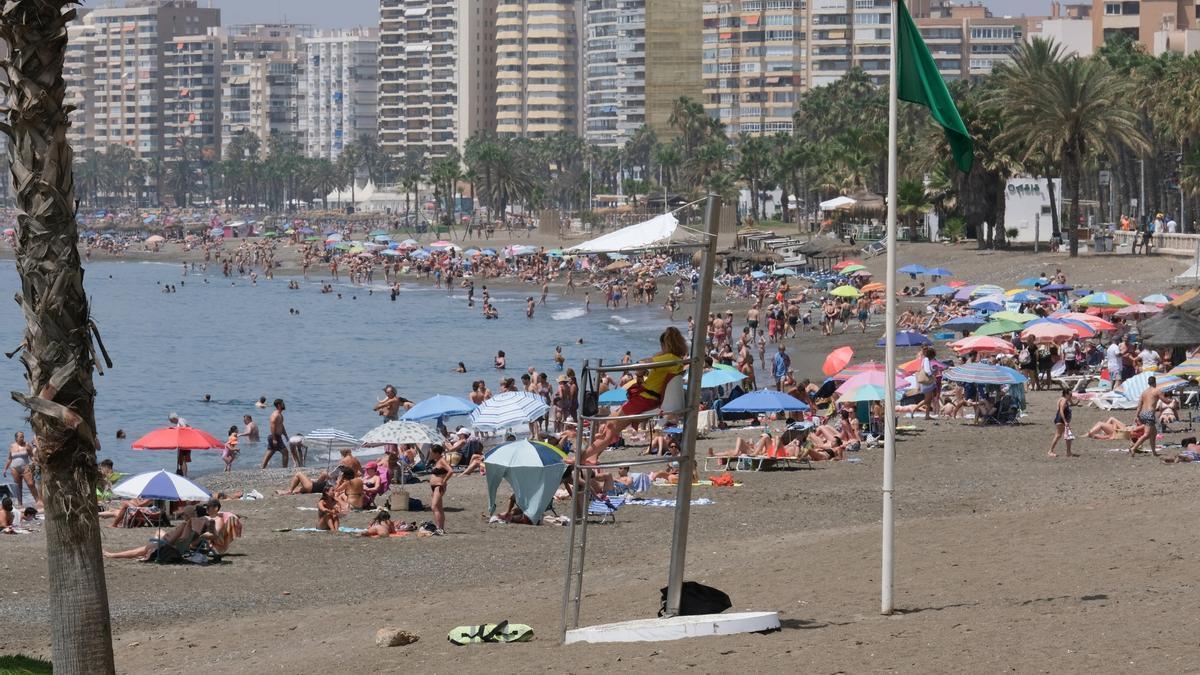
499 632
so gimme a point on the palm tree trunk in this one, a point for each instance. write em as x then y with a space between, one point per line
1073 184
1055 230
58 356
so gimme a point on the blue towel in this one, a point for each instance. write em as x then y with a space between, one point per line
667 503
343 530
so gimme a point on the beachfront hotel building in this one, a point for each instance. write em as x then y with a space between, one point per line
192 102
539 51
117 59
341 91
262 76
437 75
614 62
1142 19
673 58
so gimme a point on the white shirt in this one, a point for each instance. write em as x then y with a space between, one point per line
1114 359
1149 358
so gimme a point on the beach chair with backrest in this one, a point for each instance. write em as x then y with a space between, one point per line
605 507
874 248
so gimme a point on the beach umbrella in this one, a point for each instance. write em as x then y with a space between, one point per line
1097 323
1028 296
1048 333
758 274
161 485
335 237
765 401
1030 282
437 406
869 386
488 252
1156 299
401 432
983 373
330 439
1189 368
508 409
861 274
906 338
998 328
912 270
1137 311
965 323
1057 288
984 344
441 244
471 252
155 239
846 292
940 290
837 360
306 230
939 272
956 284
719 377
391 254
411 243
1080 328
859 368
963 293
845 263
875 287
618 266
1104 300
986 289
986 305
850 269
532 468
784 272
1135 386
1019 317
178 438
614 396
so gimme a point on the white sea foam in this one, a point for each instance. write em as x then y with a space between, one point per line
620 319
564 314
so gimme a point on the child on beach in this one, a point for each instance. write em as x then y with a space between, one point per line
230 452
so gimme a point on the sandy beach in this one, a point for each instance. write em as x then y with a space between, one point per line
1005 559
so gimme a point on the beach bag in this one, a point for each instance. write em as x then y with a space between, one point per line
166 554
590 405
696 599
1068 434
923 377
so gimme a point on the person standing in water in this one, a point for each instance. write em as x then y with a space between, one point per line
277 435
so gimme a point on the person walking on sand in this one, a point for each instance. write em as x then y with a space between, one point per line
1062 425
276 435
1147 406
781 366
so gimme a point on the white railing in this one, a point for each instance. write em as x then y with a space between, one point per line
1165 243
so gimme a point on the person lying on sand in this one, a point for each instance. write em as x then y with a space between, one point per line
1107 430
512 514
384 526
742 448
186 536
118 514
303 485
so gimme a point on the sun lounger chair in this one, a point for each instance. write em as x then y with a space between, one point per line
605 506
874 248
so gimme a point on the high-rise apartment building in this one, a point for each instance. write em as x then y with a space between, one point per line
614 70
759 55
124 49
539 46
341 92
262 76
192 99
437 74
673 60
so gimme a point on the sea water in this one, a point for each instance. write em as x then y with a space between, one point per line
237 341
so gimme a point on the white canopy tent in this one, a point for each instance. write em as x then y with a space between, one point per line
837 203
659 232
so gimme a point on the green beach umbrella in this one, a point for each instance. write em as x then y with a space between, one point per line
846 291
1018 317
999 327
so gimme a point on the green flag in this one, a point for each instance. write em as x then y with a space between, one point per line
918 81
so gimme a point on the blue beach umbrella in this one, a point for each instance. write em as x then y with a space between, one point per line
986 306
965 323
532 468
764 401
758 274
939 272
614 397
1029 282
437 406
1057 288
912 270
784 272
941 290
906 338
720 377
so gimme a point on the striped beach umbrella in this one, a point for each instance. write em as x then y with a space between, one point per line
161 485
1104 300
508 409
1189 368
986 289
1136 385
329 439
983 373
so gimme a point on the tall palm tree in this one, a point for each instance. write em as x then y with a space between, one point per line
1077 110
754 167
59 354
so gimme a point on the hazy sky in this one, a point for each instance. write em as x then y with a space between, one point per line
347 13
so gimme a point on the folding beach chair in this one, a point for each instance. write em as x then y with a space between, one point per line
874 248
605 506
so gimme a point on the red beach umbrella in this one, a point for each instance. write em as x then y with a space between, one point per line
177 438
837 360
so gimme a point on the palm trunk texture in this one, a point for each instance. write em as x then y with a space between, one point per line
58 350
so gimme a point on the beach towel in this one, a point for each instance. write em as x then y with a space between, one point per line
341 530
666 503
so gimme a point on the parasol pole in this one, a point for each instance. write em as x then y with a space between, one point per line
887 604
687 461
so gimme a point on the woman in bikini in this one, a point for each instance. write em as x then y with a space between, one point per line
440 473
644 396
1107 430
1062 422
20 465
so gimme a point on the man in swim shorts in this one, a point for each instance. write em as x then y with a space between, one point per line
1147 407
277 435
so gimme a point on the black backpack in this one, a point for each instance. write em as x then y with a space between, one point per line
697 599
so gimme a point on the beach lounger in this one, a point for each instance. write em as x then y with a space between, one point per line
606 507
874 248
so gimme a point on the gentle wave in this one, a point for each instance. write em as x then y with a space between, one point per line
572 313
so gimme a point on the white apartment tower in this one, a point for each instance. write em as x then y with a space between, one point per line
124 51
437 74
614 70
262 75
342 90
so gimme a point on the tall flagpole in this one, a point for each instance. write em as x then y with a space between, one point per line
889 359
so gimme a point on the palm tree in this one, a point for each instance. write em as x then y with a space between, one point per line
445 175
911 203
1077 110
754 167
59 355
